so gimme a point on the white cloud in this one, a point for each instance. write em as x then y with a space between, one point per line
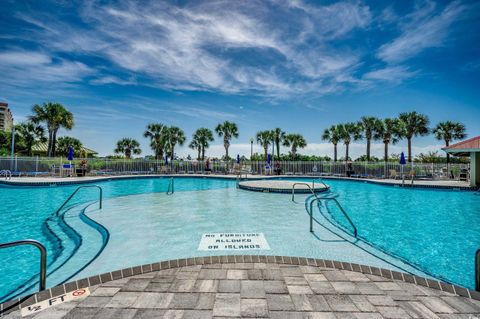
394 74
424 30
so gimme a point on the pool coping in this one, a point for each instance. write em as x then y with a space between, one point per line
101 179
62 289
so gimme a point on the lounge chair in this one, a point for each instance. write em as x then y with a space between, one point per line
393 174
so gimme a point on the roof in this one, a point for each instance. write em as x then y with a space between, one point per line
43 148
467 146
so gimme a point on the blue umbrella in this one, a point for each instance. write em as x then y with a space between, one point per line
269 158
70 153
238 158
402 159
166 159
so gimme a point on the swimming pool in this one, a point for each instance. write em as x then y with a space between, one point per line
423 231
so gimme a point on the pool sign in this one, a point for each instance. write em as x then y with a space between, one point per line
233 241
42 305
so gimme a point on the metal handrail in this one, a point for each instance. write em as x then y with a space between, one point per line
43 257
477 270
7 173
355 232
171 186
73 194
321 181
308 185
239 177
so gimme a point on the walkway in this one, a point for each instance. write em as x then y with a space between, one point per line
212 289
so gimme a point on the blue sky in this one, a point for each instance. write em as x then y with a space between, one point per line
299 65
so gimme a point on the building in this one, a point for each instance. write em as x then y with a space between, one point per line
6 119
41 150
470 147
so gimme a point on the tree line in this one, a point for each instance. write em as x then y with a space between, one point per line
50 117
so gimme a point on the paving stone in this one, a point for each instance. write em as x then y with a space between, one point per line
158 287
163 278
205 301
320 315
135 284
123 300
254 308
153 300
461 305
82 313
149 313
306 290
319 303
272 274
226 305
206 286
279 302
369 288
367 315
188 275
105 291
237 274
340 303
362 303
275 287
184 301
301 302
315 277
173 314
291 272
323 288
381 301
437 304
417 309
231 286
295 281
94 302
355 276
252 289
197 314
346 288
254 274
113 313
392 312
213 274
388 286
182 285
335 275
286 315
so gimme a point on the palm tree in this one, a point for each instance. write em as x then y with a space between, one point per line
449 131
205 136
174 135
369 125
413 124
295 141
195 145
278 135
264 138
128 146
56 116
227 130
65 141
349 132
30 134
333 136
156 133
388 132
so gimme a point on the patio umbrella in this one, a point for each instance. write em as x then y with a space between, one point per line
70 154
269 158
402 163
238 158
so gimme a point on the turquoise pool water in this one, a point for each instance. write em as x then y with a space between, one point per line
435 231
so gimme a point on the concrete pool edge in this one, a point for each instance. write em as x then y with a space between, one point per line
60 290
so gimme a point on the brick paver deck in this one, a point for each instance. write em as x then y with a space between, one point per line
261 290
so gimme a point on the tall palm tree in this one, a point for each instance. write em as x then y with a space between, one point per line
388 132
332 135
228 130
56 116
295 141
30 134
369 125
278 135
349 132
195 145
156 133
174 135
449 131
413 124
205 136
65 141
128 146
264 138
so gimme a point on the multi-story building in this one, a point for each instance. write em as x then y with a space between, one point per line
6 119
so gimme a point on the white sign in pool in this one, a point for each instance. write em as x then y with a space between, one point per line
233 241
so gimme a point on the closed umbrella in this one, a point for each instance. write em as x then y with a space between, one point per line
403 162
238 158
70 154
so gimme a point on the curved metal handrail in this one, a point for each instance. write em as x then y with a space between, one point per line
73 194
239 177
310 188
171 186
7 173
477 270
321 181
355 232
43 257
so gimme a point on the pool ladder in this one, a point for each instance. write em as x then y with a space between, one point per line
76 191
7 173
319 199
171 187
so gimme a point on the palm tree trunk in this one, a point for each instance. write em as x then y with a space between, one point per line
54 141
278 149
203 153
128 153
385 156
346 151
409 150
335 152
172 153
225 144
447 144
368 149
265 148
294 152
49 149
